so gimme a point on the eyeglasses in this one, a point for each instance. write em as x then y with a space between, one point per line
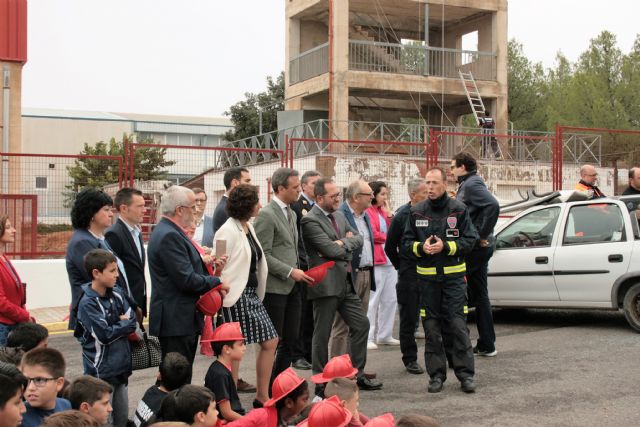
193 208
366 194
40 381
201 201
334 196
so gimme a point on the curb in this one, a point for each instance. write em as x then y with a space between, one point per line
55 328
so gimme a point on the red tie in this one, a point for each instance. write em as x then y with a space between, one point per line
335 224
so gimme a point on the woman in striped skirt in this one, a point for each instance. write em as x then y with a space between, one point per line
246 275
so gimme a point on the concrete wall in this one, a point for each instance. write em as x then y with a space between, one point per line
15 118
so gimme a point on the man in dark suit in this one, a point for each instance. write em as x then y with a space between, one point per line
125 239
276 229
204 223
357 199
231 179
178 276
329 237
302 350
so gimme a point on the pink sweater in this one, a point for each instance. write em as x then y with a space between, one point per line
374 212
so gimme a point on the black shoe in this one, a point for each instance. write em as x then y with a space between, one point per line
414 368
468 385
302 364
368 384
485 353
435 385
257 404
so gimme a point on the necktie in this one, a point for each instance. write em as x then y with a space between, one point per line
335 224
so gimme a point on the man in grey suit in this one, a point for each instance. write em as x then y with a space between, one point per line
276 229
204 223
329 237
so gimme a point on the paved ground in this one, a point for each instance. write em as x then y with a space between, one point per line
568 368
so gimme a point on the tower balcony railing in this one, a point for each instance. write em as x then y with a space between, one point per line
397 58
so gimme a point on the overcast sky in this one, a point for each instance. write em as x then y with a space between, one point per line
198 57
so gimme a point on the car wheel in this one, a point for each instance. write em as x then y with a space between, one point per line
631 305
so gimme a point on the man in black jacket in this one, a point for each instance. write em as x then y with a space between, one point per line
483 210
439 234
407 289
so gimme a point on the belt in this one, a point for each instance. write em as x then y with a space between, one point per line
367 268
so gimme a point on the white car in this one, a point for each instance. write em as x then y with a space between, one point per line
582 254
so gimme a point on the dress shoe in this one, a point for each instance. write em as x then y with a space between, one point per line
370 375
367 384
485 353
302 364
245 387
435 385
414 368
371 345
468 385
389 341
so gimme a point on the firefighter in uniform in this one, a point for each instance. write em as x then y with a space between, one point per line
438 234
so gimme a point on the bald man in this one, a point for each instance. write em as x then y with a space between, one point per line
634 182
587 183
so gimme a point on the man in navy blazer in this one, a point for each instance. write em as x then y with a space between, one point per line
357 199
178 276
231 179
125 239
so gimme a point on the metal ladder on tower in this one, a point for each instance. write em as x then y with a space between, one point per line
473 95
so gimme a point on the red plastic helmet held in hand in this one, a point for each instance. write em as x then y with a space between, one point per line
319 272
210 302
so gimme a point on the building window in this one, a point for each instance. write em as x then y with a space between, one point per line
41 182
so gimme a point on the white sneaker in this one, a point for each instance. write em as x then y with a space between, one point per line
390 341
419 335
371 345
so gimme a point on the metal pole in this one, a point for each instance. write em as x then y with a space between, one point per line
426 39
6 92
259 121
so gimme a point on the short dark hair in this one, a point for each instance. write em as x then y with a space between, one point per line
466 160
97 259
376 187
27 336
281 178
241 201
174 371
293 394
218 346
88 389
70 418
3 223
124 196
12 381
86 204
50 359
231 174
308 174
439 169
319 189
184 403
198 190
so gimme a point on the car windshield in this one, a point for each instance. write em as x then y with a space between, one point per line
532 230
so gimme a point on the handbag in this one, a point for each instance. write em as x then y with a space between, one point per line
145 353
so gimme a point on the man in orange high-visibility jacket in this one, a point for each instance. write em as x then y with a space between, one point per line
587 183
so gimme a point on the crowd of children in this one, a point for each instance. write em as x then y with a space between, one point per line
34 391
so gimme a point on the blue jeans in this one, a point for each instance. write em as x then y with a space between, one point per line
120 404
4 333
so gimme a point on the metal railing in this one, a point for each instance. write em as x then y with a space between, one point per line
310 63
420 60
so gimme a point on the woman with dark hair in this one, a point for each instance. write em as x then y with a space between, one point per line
246 275
91 215
383 301
12 291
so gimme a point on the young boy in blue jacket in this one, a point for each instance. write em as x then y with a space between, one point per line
105 320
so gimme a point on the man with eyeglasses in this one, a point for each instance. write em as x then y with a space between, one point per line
587 183
204 223
178 276
357 199
329 237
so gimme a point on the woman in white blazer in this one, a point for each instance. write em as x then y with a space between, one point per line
246 275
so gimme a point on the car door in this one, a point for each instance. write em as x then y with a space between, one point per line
520 271
595 250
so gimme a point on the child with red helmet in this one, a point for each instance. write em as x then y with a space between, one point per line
337 367
327 413
347 391
228 345
290 395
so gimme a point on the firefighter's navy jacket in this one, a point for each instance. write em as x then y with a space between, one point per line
449 220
